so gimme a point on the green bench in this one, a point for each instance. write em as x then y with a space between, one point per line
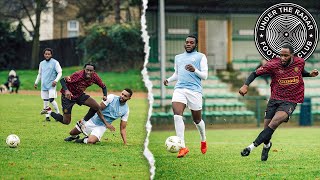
206 96
207 86
239 61
209 116
159 78
222 95
155 69
212 106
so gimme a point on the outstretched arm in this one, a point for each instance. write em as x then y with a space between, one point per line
313 73
103 105
123 125
59 71
54 83
98 81
105 93
63 83
38 77
244 89
203 74
174 76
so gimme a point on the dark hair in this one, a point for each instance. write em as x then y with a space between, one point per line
193 36
48 49
89 64
288 46
129 91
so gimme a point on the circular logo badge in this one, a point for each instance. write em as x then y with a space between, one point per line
286 23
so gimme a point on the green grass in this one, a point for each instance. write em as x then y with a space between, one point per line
294 155
43 154
114 81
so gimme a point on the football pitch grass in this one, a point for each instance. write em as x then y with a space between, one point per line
43 154
295 154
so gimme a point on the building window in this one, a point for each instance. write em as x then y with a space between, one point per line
73 28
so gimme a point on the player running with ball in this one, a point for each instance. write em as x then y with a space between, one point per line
190 68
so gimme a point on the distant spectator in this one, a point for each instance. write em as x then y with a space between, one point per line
13 82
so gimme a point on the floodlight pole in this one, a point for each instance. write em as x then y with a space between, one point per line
162 49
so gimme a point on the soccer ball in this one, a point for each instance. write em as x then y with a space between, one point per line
173 144
13 140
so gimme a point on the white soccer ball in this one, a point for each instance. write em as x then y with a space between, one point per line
13 140
173 144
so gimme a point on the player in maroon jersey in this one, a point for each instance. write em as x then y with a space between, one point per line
73 88
287 89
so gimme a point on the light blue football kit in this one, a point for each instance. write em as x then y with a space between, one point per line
113 111
187 79
48 71
188 89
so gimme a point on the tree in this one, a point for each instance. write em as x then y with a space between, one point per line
116 48
17 10
93 11
97 10
12 40
117 16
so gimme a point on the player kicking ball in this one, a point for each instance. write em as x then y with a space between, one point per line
113 108
287 89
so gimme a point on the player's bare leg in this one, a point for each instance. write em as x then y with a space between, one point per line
178 109
88 140
266 134
278 119
92 139
66 119
196 115
95 106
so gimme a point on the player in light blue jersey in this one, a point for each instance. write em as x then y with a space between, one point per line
190 68
49 72
113 108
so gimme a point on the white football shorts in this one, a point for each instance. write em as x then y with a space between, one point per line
188 97
51 93
91 129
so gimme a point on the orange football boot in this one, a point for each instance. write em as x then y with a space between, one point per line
183 152
203 147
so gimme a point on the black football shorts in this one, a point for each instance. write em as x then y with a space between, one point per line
279 105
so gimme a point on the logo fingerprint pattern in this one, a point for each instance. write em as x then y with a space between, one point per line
286 29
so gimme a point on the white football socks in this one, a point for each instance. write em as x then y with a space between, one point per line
202 130
251 146
85 140
266 145
46 104
55 106
179 126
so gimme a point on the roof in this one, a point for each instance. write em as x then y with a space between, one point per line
229 6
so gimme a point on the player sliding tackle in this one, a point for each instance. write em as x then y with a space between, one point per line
73 88
287 89
113 108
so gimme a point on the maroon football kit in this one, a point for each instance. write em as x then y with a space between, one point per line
287 82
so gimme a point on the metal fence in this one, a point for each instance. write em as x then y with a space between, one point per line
64 50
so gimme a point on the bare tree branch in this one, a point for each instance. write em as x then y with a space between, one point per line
28 13
30 32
